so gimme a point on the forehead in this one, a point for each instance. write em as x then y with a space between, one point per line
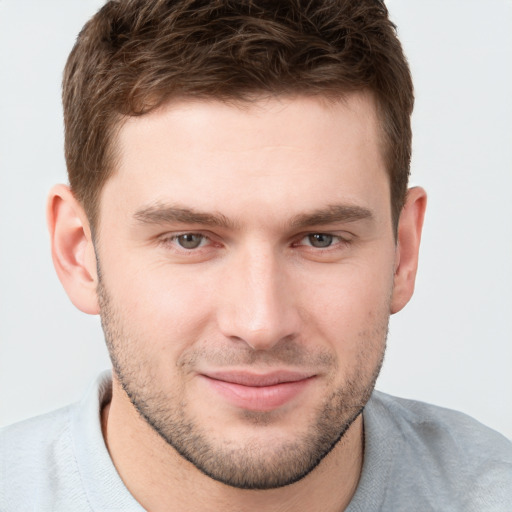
278 155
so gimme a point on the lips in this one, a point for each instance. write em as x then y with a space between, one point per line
258 392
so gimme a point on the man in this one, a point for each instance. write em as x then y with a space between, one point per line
238 215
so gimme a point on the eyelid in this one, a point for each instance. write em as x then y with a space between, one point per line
168 239
342 238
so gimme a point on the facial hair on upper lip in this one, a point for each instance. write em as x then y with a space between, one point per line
288 355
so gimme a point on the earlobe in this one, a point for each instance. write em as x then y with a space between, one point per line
72 248
408 244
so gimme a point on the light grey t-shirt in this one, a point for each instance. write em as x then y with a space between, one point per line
417 458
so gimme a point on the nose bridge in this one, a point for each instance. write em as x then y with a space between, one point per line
258 307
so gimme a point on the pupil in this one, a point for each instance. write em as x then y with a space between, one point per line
320 240
189 241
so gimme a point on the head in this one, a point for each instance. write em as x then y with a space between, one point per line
238 178
134 56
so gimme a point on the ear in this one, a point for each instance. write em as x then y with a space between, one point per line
72 248
408 245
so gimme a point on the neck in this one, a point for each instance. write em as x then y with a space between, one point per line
160 479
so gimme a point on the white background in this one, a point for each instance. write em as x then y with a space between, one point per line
452 345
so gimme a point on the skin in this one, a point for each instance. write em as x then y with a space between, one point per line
274 180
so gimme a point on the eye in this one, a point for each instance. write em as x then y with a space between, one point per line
190 240
320 240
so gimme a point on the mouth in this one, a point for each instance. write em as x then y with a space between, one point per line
258 392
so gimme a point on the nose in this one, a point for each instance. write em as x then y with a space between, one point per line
258 304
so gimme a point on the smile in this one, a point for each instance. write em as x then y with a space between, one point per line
258 392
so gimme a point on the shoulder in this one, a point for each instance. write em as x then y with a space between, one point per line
35 430
28 443
37 455
434 425
59 461
435 449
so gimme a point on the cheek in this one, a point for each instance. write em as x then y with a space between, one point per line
349 306
349 291
161 309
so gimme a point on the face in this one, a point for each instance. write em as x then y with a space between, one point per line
246 256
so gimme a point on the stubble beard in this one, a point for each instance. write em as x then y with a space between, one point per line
255 465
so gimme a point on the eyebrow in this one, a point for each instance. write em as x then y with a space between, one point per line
167 214
162 214
331 215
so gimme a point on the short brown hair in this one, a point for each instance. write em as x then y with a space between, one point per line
134 55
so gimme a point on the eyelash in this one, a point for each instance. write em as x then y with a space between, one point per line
173 240
338 241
